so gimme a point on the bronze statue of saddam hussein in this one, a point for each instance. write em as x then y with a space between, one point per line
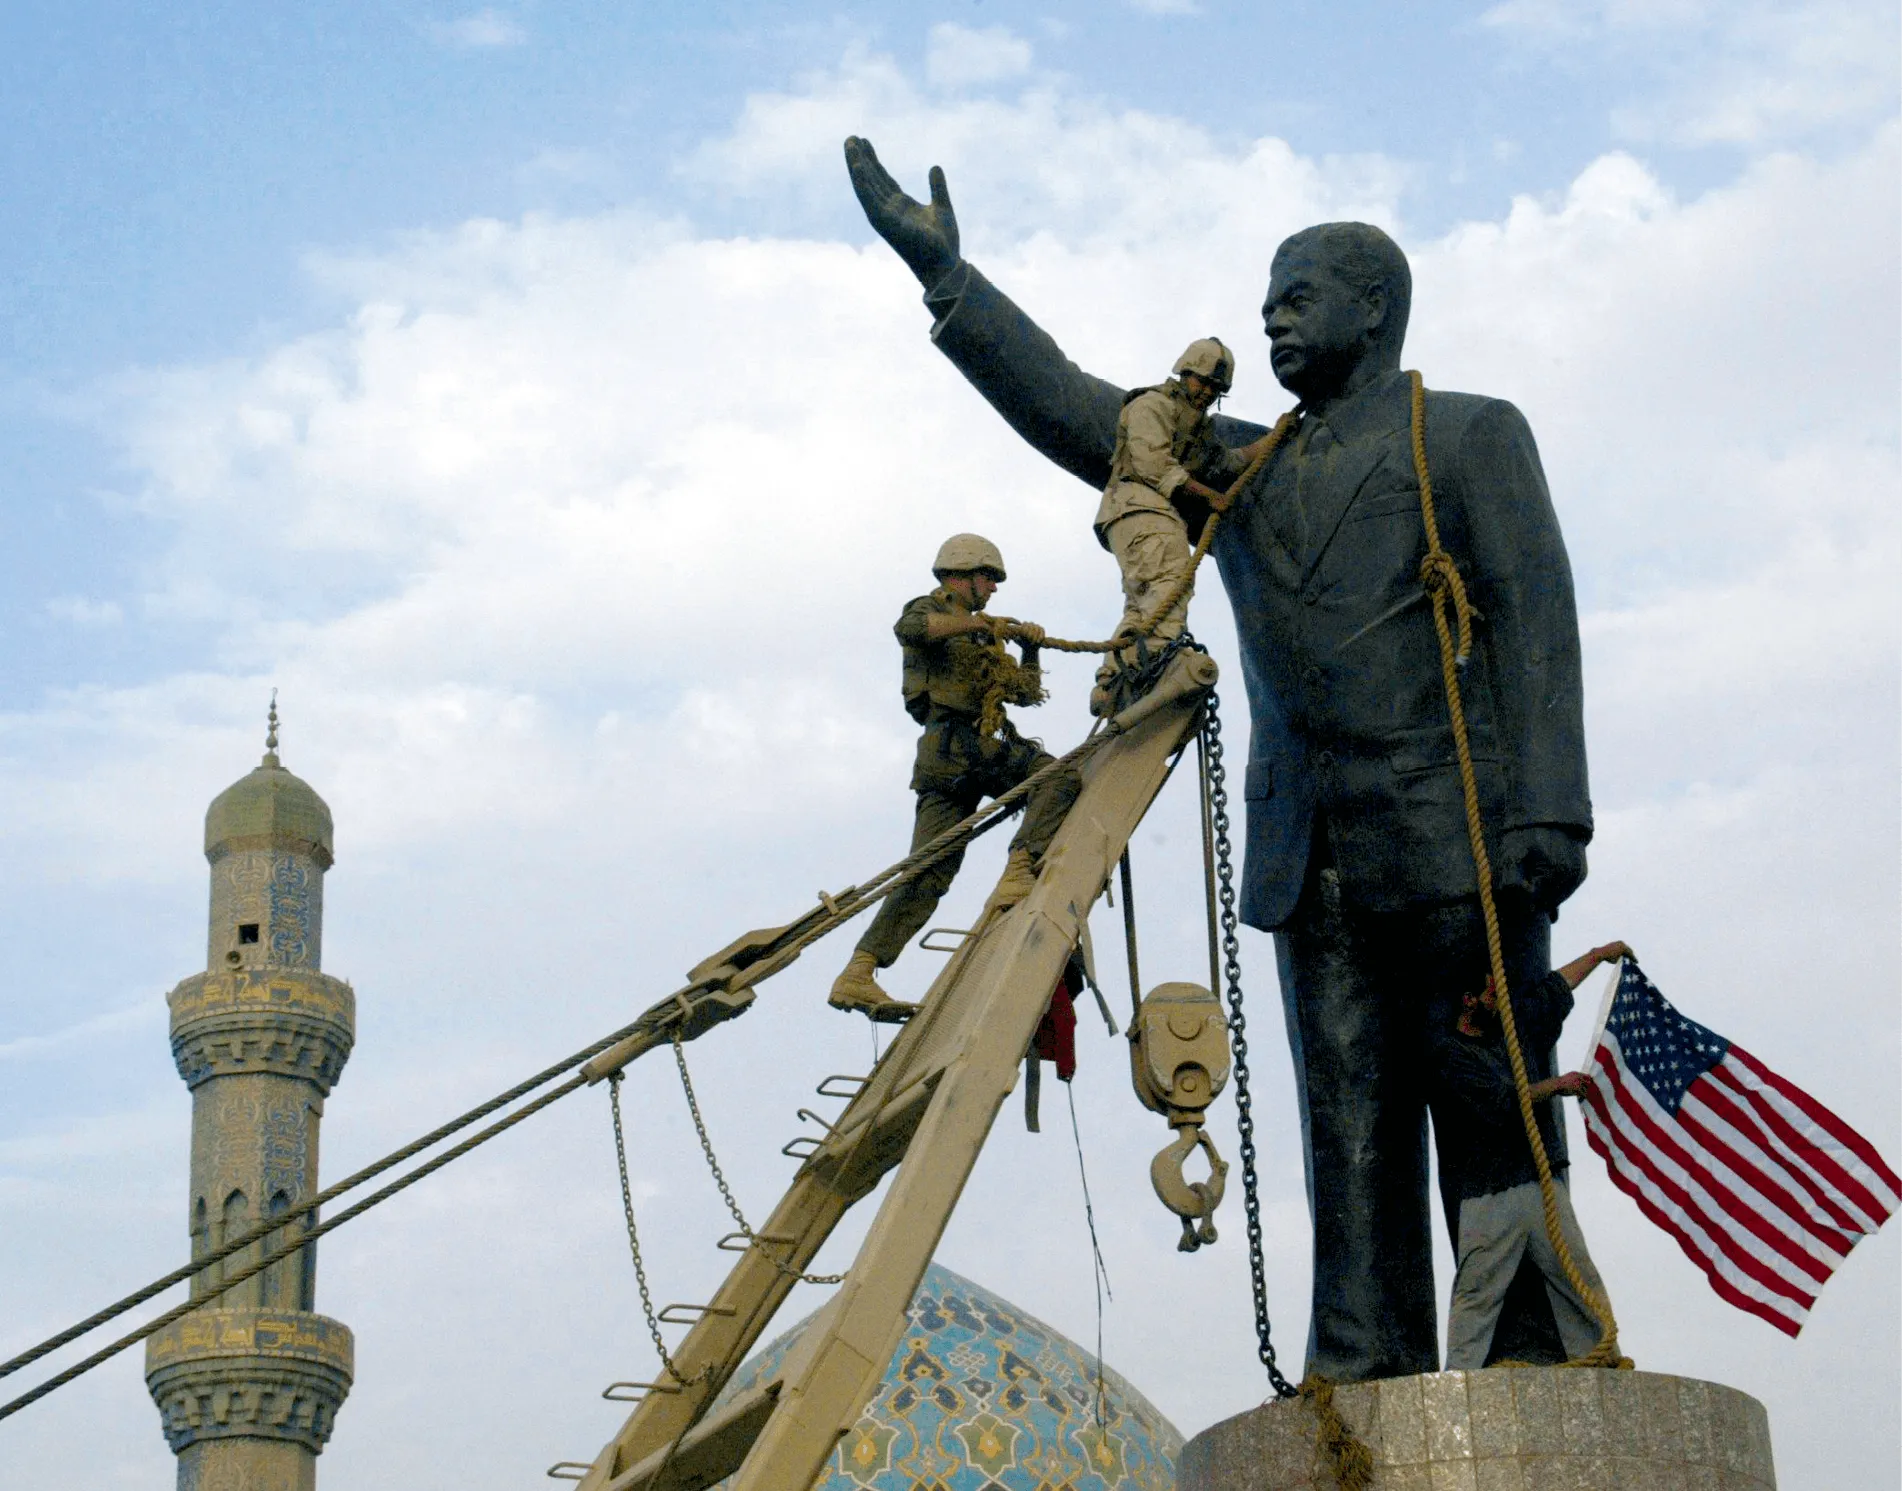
1357 853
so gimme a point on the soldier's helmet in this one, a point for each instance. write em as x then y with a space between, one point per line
1208 357
963 552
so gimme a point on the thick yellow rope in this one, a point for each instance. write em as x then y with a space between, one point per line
1005 681
1444 588
1348 1459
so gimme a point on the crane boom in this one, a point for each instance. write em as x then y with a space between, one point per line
925 1110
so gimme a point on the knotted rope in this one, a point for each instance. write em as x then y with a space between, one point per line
1004 680
1445 588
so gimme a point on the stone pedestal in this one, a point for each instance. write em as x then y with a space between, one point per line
1504 1429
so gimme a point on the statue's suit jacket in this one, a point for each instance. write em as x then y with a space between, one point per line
1322 567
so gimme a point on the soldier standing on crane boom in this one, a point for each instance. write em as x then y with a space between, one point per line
1166 454
954 655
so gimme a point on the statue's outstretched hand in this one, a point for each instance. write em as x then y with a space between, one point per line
925 237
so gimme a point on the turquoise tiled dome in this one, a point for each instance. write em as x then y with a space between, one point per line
983 1397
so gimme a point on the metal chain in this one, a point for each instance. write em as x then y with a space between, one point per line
719 1178
634 1243
1238 1034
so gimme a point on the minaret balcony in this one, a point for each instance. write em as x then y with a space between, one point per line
250 1374
289 1022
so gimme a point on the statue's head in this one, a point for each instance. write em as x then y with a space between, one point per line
1338 297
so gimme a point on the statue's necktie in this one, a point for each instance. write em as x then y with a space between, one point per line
1312 451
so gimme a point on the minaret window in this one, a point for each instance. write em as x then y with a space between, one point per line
247 933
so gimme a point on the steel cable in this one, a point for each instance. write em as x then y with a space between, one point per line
309 1209
152 1328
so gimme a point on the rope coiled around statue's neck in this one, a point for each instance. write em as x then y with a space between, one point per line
1446 590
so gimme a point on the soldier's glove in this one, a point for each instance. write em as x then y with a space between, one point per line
1027 632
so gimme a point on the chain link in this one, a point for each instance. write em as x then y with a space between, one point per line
1238 1034
726 1191
634 1245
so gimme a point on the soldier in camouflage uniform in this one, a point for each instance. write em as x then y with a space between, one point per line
952 655
1166 452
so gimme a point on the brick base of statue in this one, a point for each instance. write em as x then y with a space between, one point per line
1503 1429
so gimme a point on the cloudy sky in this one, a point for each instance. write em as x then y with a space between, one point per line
519 391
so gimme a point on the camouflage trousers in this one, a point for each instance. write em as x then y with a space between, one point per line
1153 552
955 770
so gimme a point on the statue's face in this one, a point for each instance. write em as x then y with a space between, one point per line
1319 327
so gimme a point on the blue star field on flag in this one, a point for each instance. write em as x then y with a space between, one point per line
1662 1049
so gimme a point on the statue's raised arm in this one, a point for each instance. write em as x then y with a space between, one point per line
1064 412
926 238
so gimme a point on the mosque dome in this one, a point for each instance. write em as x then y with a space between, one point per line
981 1396
269 808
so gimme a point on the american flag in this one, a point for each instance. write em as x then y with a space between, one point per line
1763 1187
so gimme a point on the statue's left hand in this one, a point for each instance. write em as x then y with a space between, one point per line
1543 862
925 237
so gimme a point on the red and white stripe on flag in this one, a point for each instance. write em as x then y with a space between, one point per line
1763 1187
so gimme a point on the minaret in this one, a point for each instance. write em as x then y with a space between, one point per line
248 1387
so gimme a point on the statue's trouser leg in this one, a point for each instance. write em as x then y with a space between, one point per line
1357 988
1357 1060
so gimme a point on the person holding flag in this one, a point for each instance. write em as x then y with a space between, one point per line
1488 1176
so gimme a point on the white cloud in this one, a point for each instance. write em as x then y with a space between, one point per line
568 168
79 611
586 535
963 56
1540 20
1750 74
479 30
1115 179
139 1016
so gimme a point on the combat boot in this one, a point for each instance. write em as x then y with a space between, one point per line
856 989
1017 881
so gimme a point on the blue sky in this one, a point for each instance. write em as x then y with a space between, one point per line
164 171
520 391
